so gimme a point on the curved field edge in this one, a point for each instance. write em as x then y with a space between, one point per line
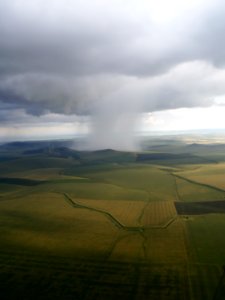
209 175
163 221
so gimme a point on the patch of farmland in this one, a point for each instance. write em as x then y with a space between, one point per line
206 237
167 245
200 208
30 163
192 191
49 277
127 212
20 181
45 223
146 178
38 174
94 190
128 247
212 175
43 174
204 280
170 158
6 190
158 213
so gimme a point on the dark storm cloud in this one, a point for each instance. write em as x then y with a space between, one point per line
209 38
52 52
108 58
67 37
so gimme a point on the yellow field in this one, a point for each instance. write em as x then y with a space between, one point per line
196 191
45 222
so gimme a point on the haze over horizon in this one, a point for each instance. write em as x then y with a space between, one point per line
110 68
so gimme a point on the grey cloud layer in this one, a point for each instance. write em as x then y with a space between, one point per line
81 57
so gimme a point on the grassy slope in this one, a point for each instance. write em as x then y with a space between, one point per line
141 177
35 162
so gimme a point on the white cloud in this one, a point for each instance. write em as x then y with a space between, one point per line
185 119
111 60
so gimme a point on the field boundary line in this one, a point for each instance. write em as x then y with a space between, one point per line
114 220
199 183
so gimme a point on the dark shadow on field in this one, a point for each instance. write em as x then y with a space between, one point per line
19 220
171 158
20 181
220 290
27 276
200 208
36 223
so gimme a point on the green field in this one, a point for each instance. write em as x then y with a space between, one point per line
103 225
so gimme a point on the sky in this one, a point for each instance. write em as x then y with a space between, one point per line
110 68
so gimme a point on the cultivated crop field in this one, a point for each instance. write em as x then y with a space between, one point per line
140 177
190 190
212 175
158 213
128 213
102 225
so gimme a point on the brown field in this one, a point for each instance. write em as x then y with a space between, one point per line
189 190
212 175
200 208
135 213
128 247
127 212
158 213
